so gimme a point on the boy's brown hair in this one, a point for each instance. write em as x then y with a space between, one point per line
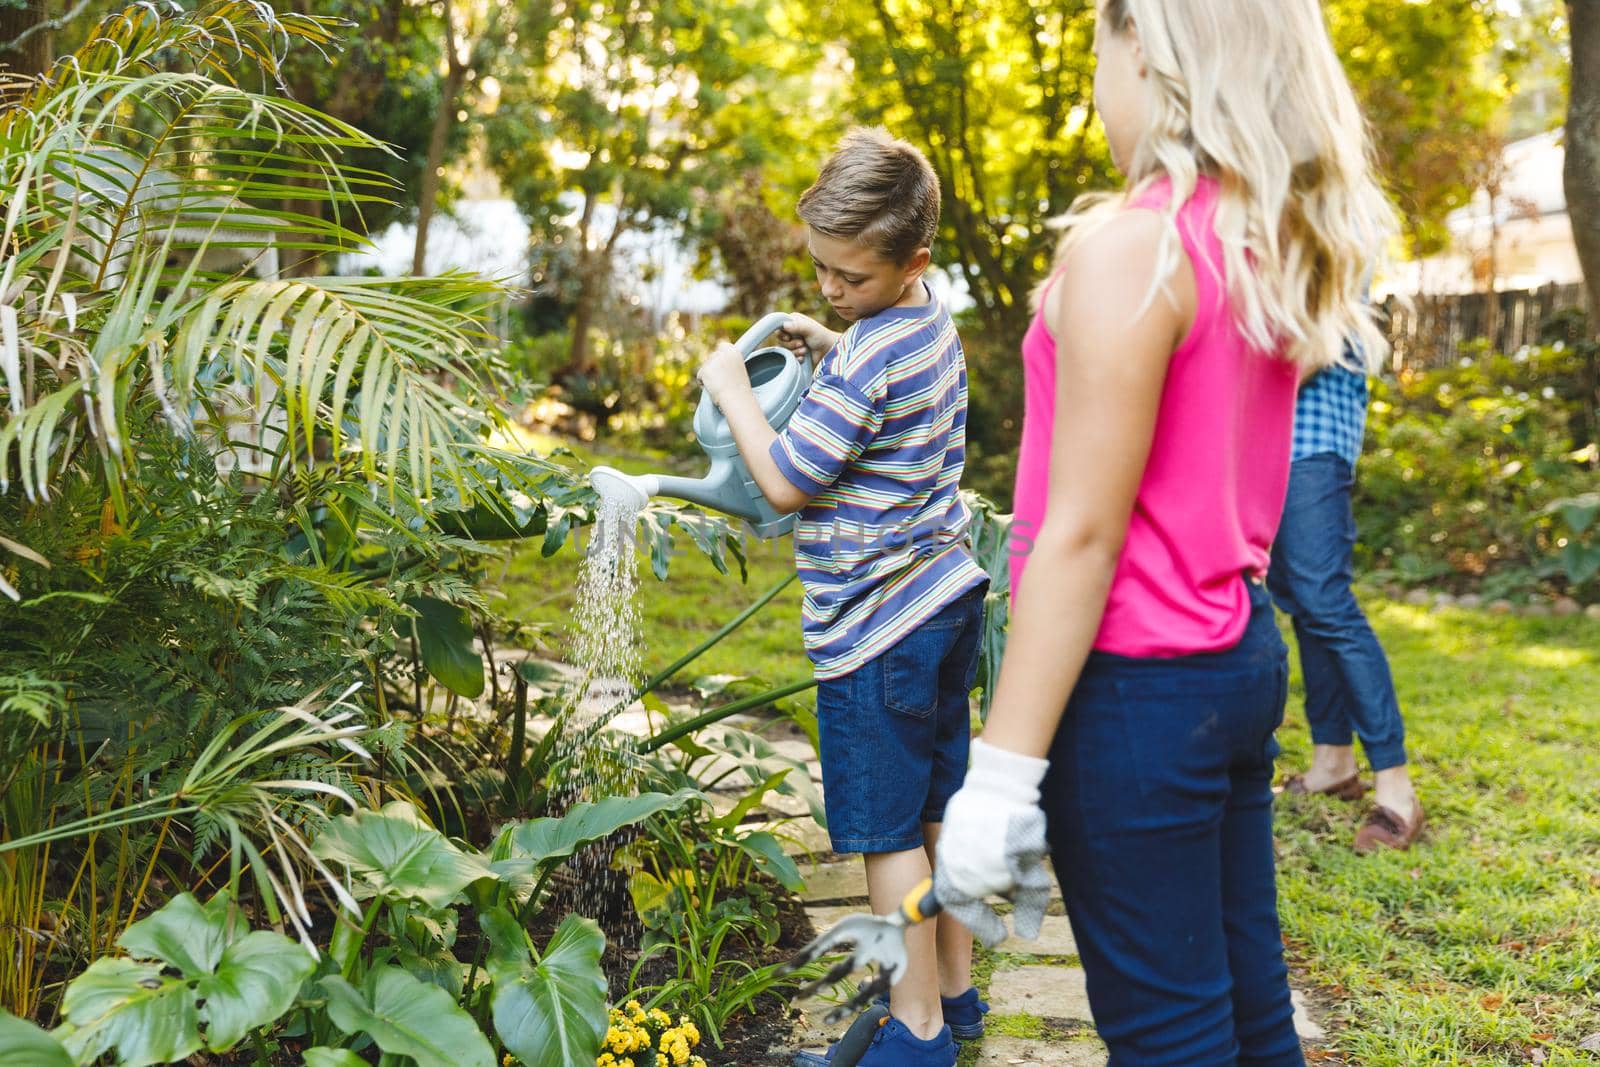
878 191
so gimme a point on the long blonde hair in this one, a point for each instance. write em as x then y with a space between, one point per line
1251 93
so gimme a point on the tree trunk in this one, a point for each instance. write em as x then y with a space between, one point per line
1582 170
27 43
594 270
1491 306
455 76
428 195
582 318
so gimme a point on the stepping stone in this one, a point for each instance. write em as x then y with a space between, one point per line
843 881
823 917
800 751
1304 1025
1055 939
794 807
1021 1052
723 803
635 721
1048 992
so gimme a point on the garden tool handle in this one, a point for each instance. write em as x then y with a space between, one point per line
920 904
764 328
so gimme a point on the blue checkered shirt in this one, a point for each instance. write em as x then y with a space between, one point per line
1330 415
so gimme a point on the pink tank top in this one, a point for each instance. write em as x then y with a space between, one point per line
1208 505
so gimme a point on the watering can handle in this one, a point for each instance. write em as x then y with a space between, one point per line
768 325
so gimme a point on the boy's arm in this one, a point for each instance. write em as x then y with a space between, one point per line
831 428
724 376
755 439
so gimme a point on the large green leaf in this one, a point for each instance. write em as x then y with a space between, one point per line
182 934
759 760
396 855
255 982
407 1017
551 1013
128 1006
1579 513
768 854
539 841
444 633
1581 562
244 981
23 1044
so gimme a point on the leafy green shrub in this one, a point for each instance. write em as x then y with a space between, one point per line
1577 535
1462 465
705 883
197 977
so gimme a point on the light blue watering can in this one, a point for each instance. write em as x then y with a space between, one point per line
780 379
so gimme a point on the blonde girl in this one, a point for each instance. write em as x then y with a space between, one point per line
1144 676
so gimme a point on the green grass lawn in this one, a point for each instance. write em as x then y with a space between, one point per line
1483 942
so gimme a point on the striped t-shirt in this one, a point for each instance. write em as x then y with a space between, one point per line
879 442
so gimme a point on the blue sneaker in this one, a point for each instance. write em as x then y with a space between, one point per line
892 1046
964 1015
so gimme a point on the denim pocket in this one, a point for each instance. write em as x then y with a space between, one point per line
911 669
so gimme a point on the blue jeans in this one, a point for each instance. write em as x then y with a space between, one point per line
1348 684
1159 808
894 732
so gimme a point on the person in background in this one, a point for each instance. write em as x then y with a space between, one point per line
1347 679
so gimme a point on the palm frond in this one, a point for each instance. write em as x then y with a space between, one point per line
116 165
350 356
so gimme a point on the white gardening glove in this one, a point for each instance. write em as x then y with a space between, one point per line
992 844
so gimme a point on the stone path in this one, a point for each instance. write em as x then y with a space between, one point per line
1039 1013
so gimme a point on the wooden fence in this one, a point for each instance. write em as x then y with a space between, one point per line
1433 331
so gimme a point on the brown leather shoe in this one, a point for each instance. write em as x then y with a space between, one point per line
1351 788
1384 828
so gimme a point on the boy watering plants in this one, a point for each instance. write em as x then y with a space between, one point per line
893 607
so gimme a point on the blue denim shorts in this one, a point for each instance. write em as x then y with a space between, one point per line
895 732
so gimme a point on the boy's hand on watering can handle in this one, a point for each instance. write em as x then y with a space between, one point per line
723 372
805 336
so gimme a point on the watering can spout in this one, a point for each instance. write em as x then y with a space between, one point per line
633 490
714 491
